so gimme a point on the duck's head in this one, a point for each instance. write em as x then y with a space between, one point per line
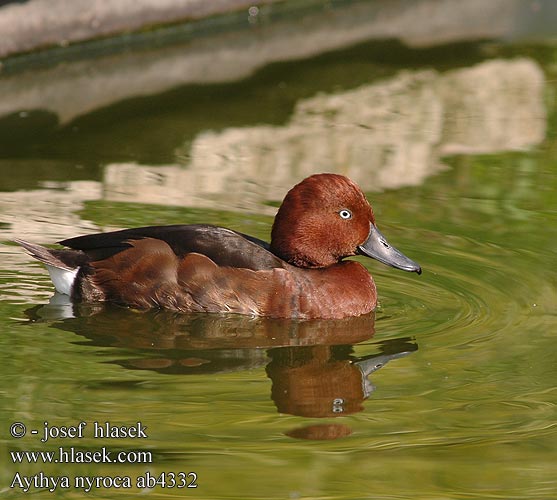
326 218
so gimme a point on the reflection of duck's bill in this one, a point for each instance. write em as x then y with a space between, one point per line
377 247
374 363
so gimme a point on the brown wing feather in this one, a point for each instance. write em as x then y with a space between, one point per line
149 274
142 276
226 289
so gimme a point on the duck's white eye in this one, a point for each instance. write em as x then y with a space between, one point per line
345 214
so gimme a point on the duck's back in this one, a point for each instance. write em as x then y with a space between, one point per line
223 246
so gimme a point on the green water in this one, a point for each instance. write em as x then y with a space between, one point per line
466 405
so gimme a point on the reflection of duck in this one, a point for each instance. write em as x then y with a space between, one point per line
200 268
312 369
106 324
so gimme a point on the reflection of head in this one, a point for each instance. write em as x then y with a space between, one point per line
309 382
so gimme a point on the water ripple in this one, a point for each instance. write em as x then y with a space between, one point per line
461 291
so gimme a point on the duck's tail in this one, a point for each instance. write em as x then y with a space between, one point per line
62 265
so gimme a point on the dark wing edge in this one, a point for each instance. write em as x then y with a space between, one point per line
223 246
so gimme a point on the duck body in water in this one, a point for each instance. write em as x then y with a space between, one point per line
202 268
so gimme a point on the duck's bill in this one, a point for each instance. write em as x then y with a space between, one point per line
377 247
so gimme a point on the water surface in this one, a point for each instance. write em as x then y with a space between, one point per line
456 150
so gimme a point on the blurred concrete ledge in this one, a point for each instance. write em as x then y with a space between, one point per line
37 24
32 25
303 29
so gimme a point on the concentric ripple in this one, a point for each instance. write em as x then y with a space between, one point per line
467 291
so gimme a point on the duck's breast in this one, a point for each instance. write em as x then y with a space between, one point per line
343 290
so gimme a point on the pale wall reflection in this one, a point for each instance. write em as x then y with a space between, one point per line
386 135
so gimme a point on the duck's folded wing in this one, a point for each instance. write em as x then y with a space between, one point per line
223 246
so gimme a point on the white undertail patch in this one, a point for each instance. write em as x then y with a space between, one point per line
63 279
